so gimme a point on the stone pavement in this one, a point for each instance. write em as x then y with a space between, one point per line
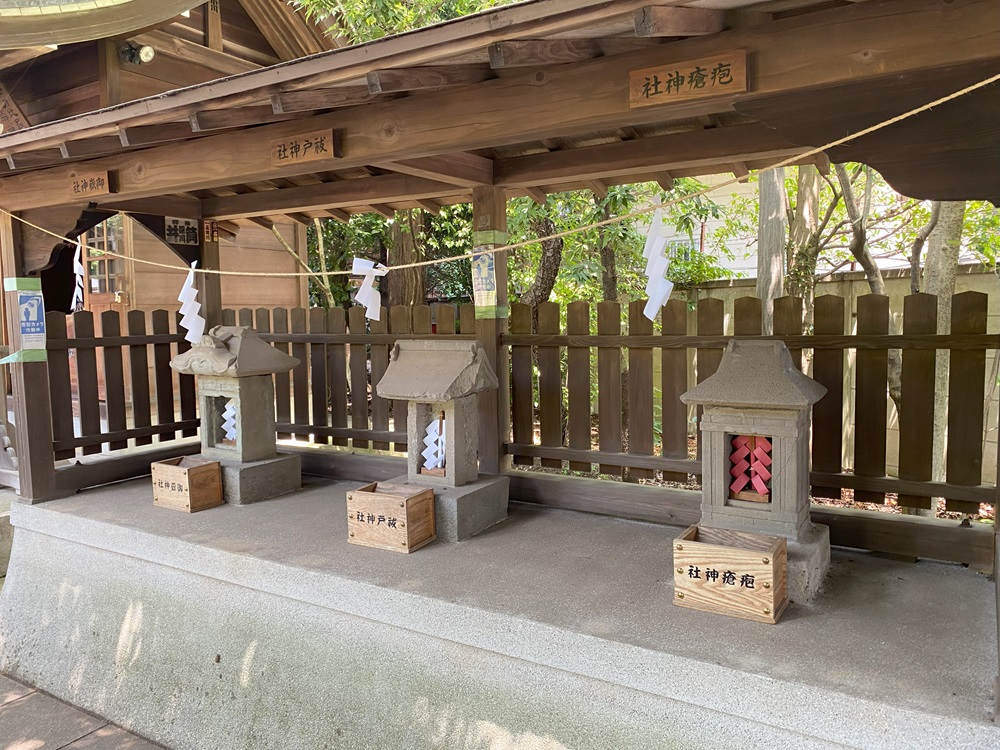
31 720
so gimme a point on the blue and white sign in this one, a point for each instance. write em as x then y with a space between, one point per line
31 319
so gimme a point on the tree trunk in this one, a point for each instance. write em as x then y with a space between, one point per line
939 275
918 246
803 240
609 263
548 267
771 243
407 286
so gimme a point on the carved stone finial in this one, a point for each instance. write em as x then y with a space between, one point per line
232 351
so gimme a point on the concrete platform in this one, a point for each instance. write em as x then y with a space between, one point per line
258 626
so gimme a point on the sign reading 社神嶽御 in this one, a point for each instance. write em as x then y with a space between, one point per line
721 74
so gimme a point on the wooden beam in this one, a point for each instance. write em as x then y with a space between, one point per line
11 57
11 116
429 206
261 222
217 119
88 147
149 135
427 77
739 170
791 54
536 194
597 187
538 52
693 148
169 45
660 20
365 191
288 33
213 25
338 214
386 211
314 99
467 170
165 205
665 180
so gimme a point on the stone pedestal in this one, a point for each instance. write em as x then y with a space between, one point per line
462 512
253 481
808 563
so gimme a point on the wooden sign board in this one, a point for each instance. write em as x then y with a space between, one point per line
11 116
302 148
718 75
731 573
88 184
393 517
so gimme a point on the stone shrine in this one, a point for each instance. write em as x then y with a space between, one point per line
236 403
755 454
444 376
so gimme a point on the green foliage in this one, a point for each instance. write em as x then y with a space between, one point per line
363 236
450 234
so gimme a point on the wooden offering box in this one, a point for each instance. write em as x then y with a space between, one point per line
731 573
391 516
187 483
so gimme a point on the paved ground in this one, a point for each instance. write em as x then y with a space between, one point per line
30 720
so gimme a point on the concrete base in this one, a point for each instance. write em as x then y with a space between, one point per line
462 512
244 483
808 563
261 627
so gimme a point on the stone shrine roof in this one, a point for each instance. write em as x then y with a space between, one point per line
434 371
233 352
756 375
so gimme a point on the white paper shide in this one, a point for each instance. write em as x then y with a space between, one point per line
658 287
191 318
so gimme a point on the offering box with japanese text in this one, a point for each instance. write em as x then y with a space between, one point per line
731 573
391 516
187 483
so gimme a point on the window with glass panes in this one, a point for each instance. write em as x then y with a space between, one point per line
105 273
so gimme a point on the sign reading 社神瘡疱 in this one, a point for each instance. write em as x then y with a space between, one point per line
305 147
724 73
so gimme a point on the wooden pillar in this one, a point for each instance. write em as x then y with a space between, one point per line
210 284
30 386
489 229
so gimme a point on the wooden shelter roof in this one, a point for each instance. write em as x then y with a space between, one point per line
535 97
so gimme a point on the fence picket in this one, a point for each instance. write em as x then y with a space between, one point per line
282 380
549 384
640 391
60 385
300 373
711 322
522 395
358 354
160 320
748 316
828 413
609 385
228 317
788 322
673 382
138 365
336 371
244 317
317 373
467 319
114 378
379 363
399 322
422 320
916 409
578 383
870 396
444 314
966 381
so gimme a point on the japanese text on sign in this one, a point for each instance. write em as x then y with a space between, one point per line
726 577
180 231
305 147
390 522
171 486
96 183
31 319
725 73
11 116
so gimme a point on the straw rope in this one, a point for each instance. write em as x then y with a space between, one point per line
644 210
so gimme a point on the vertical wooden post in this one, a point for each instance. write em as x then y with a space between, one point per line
30 385
489 229
213 25
210 284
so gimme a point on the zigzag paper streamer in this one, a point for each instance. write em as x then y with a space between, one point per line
658 287
229 420
191 319
435 451
78 271
368 295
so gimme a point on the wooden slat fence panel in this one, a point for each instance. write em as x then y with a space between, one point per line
916 408
748 316
359 374
300 373
60 385
467 319
578 383
379 363
673 382
828 413
244 317
317 374
138 362
186 387
114 379
164 382
711 321
870 396
399 322
609 385
228 317
640 391
336 372
86 380
788 322
444 315
522 397
282 380
549 384
966 382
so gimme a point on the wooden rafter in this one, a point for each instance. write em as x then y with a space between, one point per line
659 20
536 194
218 119
288 33
195 54
539 52
315 99
426 77
467 170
